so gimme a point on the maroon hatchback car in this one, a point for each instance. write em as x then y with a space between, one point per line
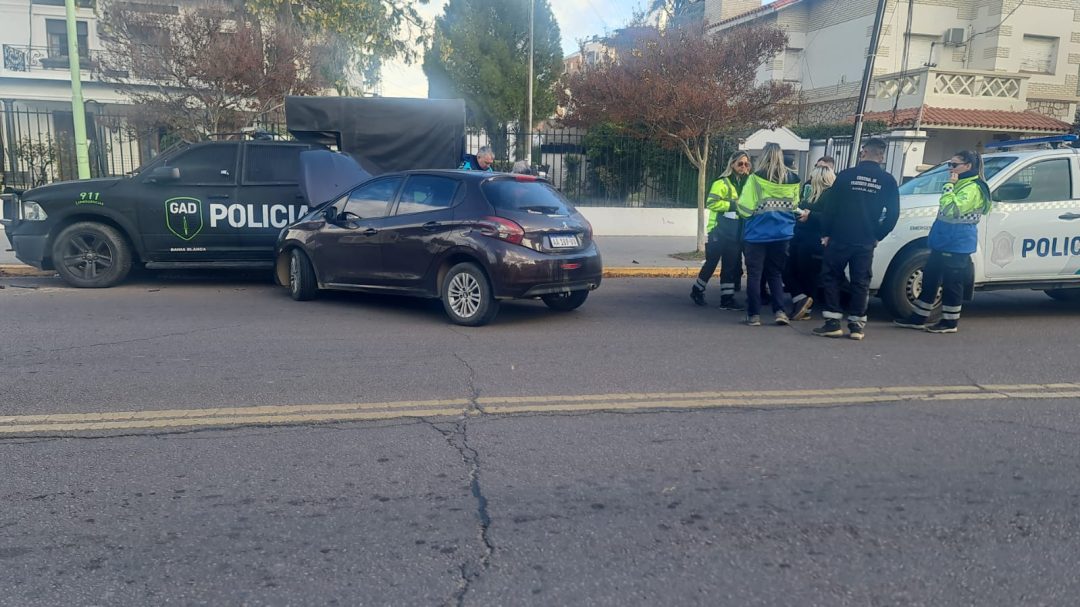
468 238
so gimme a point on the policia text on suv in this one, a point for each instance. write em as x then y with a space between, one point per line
220 204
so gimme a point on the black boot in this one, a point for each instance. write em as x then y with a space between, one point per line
727 302
697 295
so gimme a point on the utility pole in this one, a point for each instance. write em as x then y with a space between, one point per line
78 111
864 90
528 143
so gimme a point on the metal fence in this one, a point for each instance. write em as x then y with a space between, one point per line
38 145
605 167
600 167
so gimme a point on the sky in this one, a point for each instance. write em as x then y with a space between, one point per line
577 19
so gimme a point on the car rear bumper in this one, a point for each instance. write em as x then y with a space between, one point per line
523 273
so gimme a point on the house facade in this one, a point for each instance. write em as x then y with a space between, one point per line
959 73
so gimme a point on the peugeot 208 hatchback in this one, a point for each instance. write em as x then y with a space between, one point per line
468 238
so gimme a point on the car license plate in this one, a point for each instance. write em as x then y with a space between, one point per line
563 242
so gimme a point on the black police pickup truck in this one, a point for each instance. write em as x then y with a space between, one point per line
220 204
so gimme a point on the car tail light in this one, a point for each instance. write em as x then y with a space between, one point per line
503 229
524 178
588 228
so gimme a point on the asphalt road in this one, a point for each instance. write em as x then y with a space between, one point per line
637 451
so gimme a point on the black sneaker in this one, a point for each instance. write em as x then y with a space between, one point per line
944 326
855 331
698 296
727 302
912 322
803 308
831 328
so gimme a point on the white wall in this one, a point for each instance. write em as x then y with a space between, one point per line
610 221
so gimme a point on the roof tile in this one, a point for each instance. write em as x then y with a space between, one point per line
972 119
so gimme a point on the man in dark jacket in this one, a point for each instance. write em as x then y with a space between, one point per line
480 162
862 208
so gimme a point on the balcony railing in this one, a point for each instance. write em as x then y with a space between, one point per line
19 58
951 88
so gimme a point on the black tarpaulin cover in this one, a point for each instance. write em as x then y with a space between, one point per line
383 134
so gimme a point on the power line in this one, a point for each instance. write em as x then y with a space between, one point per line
998 26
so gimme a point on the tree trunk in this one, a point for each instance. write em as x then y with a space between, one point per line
702 184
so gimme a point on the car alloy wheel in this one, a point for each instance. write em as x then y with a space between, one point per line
464 295
467 295
91 255
294 275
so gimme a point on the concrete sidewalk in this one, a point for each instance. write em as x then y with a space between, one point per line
623 256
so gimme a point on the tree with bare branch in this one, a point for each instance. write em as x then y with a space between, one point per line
208 71
684 91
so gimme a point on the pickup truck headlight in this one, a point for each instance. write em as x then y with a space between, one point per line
32 211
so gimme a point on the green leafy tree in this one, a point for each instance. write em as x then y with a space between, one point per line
480 53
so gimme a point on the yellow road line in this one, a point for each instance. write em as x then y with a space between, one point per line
295 414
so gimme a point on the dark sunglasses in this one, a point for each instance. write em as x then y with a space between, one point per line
742 163
953 165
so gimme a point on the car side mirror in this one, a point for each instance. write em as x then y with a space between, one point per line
1012 192
165 175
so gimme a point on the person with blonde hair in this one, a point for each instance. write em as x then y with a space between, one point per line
725 241
769 203
804 261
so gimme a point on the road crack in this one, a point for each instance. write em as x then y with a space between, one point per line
457 436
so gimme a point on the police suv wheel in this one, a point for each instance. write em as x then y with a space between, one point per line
302 283
904 285
467 296
564 302
91 255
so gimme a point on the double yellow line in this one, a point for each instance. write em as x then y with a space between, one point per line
58 423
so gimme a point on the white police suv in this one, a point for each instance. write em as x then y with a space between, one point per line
1030 239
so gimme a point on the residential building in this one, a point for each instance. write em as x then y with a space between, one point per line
958 73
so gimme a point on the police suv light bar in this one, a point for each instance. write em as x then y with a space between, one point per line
1054 142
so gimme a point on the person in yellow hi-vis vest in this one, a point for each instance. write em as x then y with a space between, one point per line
725 241
770 204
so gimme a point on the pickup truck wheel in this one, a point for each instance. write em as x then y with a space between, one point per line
302 283
1067 295
91 255
564 302
467 296
904 285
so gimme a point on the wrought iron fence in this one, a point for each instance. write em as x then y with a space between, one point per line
605 167
600 167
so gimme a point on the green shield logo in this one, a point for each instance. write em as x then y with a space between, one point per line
183 217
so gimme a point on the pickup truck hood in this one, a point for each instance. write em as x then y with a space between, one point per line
64 189
326 175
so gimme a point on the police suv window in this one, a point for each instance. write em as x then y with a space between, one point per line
1045 181
373 200
207 165
272 163
426 193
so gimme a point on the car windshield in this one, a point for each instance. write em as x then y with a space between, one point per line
933 180
526 196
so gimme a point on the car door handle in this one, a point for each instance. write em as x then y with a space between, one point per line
431 226
1069 216
218 197
370 232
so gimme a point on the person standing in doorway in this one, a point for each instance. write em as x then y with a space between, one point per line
725 229
953 238
862 209
769 202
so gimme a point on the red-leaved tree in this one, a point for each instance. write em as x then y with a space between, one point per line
684 90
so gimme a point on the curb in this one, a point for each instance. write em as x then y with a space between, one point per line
12 270
651 272
18 269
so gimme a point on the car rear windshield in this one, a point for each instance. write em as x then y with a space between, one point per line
526 196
